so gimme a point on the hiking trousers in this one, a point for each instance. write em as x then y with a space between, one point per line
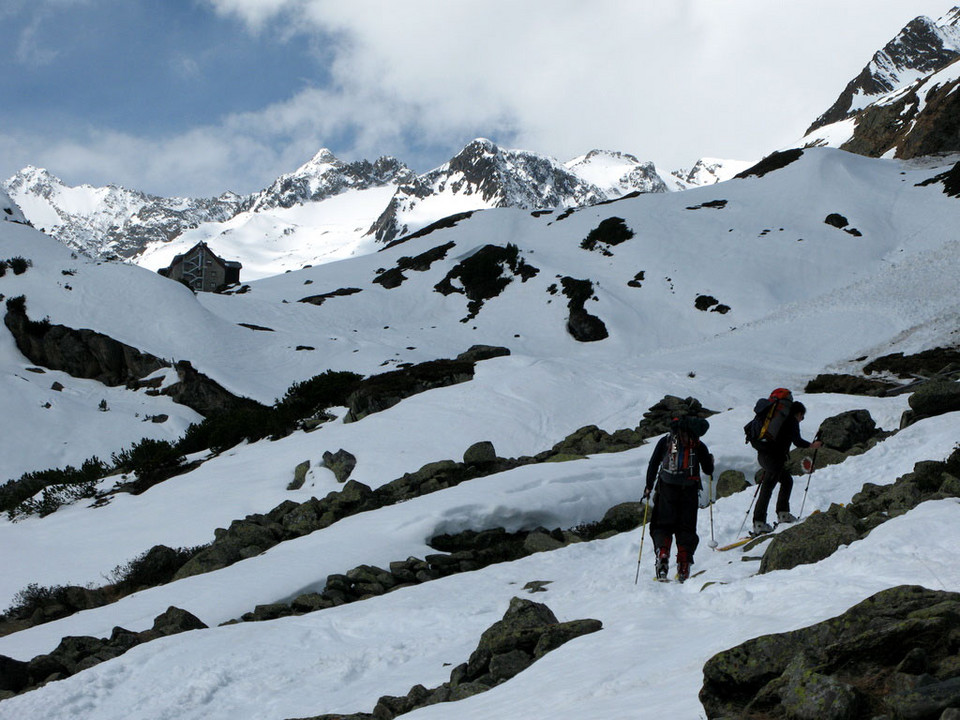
774 472
675 514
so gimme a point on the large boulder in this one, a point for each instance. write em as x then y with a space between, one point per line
730 483
935 398
341 464
481 453
892 655
845 431
816 538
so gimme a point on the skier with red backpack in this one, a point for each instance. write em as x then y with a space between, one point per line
775 427
674 470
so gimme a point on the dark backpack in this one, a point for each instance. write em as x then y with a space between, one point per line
679 465
769 415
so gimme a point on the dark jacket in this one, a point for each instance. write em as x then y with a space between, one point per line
703 456
789 435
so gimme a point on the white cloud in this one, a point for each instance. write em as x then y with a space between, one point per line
669 82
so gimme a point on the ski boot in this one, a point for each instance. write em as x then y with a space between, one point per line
786 517
663 562
683 564
761 528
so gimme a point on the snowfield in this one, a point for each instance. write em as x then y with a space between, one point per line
804 298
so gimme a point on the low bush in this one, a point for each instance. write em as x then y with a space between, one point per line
59 486
148 456
156 566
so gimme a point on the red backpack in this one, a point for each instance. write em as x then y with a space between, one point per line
769 416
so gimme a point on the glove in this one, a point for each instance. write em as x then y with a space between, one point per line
646 494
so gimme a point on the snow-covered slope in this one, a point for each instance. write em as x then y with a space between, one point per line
793 296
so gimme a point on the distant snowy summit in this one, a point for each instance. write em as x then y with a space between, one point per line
708 171
110 221
336 208
324 176
484 175
902 98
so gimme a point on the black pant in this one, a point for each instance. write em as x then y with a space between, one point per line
773 472
675 513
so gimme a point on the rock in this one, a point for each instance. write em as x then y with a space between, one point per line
622 518
481 453
303 519
935 398
299 475
808 542
505 665
14 674
846 430
848 384
477 353
730 483
556 635
175 620
341 463
808 695
810 673
656 420
518 629
540 541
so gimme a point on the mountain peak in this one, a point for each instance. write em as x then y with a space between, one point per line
921 47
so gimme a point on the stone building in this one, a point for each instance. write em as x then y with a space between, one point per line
202 269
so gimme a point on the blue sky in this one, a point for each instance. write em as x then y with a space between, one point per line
195 97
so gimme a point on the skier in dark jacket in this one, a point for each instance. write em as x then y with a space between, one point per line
772 459
674 470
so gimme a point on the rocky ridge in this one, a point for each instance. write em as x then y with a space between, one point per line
922 47
123 221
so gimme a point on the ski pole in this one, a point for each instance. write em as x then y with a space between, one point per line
713 542
813 466
755 493
643 535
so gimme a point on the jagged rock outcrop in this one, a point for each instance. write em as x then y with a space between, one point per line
74 654
80 353
124 221
894 655
325 176
88 354
526 633
922 47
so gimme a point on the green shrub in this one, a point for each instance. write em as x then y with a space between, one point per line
17 497
156 566
611 231
329 389
17 305
225 429
33 597
19 265
148 456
